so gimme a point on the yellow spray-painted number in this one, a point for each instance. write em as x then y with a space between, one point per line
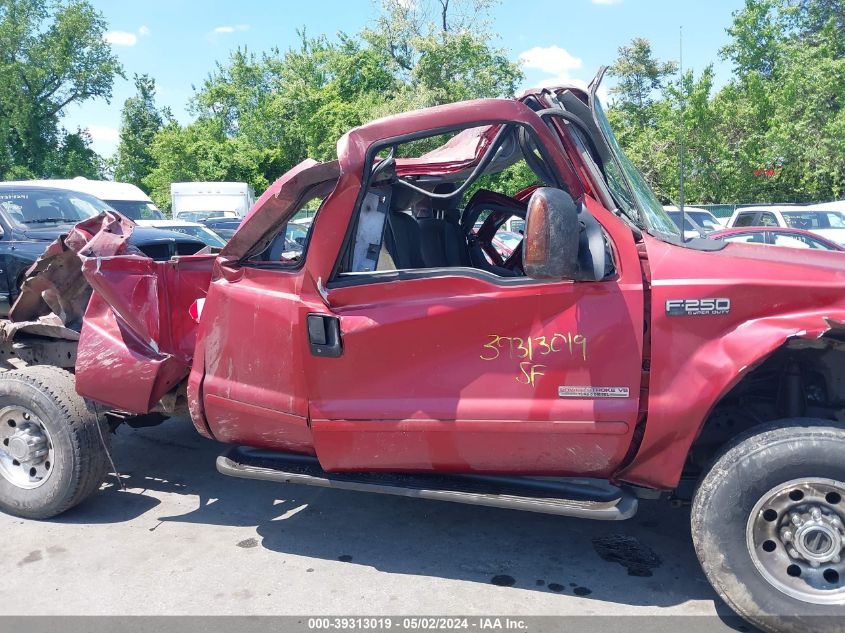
525 350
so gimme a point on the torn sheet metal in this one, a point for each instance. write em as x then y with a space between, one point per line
138 337
275 206
129 312
55 285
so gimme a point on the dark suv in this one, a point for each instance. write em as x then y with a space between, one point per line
31 217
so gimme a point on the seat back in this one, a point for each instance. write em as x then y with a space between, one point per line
443 243
402 240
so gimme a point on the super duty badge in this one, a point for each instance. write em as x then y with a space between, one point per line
697 307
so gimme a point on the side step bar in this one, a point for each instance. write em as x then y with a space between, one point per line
582 498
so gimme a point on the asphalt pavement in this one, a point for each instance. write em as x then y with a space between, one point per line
183 539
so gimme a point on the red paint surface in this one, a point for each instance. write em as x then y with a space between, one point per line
138 338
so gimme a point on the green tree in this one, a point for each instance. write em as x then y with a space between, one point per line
773 133
140 121
73 156
52 54
259 115
639 75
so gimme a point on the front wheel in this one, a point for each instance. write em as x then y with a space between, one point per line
768 524
52 449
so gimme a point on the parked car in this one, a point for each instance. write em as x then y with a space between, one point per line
836 205
776 236
33 216
187 198
194 229
124 197
699 222
828 223
505 242
225 227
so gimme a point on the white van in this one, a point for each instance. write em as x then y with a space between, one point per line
121 196
198 201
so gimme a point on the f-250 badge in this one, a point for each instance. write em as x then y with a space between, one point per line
697 307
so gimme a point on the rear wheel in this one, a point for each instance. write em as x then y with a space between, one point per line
768 524
52 453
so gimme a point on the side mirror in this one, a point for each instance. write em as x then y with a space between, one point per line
552 232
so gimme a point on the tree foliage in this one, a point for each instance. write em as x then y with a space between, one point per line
257 115
52 54
140 121
774 132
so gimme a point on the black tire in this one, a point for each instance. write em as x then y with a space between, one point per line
743 473
80 460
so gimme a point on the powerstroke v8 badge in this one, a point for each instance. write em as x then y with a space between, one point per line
697 307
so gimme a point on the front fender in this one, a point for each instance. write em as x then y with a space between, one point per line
681 400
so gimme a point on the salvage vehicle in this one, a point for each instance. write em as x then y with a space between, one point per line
224 227
124 197
697 222
776 236
605 360
194 229
33 216
828 223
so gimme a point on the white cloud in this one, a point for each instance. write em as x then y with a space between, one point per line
606 2
121 38
231 29
104 139
559 65
103 133
553 60
144 31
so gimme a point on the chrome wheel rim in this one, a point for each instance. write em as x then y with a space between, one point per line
796 538
26 448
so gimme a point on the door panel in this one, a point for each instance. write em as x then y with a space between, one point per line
254 333
458 373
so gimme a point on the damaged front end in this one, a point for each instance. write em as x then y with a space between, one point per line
94 303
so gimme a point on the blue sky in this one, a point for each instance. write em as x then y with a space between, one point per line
179 41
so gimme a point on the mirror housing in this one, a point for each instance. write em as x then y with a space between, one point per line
552 233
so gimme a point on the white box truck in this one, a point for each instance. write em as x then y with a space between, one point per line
196 201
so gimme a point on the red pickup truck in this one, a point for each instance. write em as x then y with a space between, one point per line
605 360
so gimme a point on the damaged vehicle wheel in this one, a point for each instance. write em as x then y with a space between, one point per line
52 453
768 524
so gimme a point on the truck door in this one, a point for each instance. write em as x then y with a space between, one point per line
450 365
457 370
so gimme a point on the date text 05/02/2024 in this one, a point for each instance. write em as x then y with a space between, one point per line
417 623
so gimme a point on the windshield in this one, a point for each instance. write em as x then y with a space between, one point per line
30 208
813 220
200 232
676 218
704 220
644 202
136 209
